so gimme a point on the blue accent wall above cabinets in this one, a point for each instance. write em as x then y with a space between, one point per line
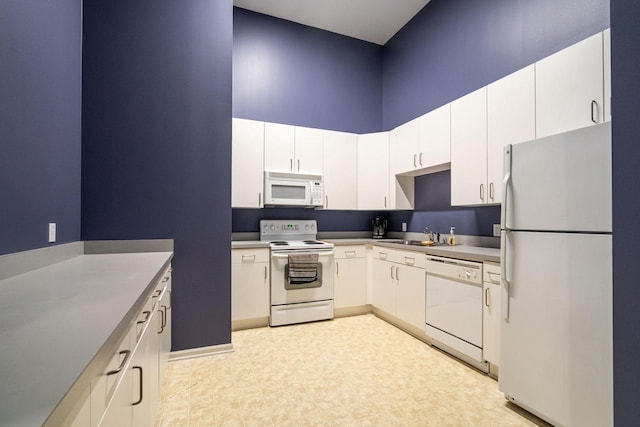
157 145
625 104
289 73
40 122
453 47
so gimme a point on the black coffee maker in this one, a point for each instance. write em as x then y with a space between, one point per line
379 224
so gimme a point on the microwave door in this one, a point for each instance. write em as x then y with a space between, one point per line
284 192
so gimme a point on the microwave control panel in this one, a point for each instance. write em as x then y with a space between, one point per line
317 193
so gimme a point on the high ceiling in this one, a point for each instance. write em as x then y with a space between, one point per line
375 21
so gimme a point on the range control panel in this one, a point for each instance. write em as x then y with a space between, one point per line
300 229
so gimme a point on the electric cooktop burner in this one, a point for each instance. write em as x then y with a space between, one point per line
280 243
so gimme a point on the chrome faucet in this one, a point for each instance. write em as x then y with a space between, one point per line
429 233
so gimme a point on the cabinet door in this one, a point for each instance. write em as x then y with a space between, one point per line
165 333
607 73
340 170
403 147
247 164
511 118
350 287
278 147
119 410
435 138
569 88
491 323
411 295
384 286
249 284
373 171
469 149
308 151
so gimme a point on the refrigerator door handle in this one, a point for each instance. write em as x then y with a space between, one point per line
505 185
503 275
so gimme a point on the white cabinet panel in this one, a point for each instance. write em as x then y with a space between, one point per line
569 88
373 171
383 286
511 119
249 284
308 151
403 147
435 138
350 287
468 149
491 313
279 147
411 295
340 170
606 49
247 164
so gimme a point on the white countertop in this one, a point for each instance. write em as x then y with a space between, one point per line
54 320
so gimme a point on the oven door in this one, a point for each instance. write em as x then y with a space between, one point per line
282 292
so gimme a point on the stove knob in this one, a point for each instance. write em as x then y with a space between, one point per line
273 227
266 227
306 226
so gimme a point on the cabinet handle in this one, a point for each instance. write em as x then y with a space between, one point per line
259 199
265 272
126 353
491 192
382 255
397 273
409 260
350 253
486 297
140 388
337 269
326 201
170 303
146 317
162 322
385 202
157 293
420 159
482 192
298 165
291 165
414 160
248 257
594 118
392 272
491 276
165 279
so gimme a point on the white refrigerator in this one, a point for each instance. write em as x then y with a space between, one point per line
556 334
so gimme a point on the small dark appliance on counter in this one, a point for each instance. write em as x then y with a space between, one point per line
379 227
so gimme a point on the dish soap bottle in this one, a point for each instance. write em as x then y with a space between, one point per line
452 237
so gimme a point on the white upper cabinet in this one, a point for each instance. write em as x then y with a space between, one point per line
340 171
607 73
511 119
279 147
468 149
373 171
434 147
569 88
403 147
308 151
292 149
247 159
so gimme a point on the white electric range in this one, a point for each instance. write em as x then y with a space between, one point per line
293 300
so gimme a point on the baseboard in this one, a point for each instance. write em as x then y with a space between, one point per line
192 353
258 322
352 311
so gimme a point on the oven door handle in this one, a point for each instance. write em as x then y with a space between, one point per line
321 253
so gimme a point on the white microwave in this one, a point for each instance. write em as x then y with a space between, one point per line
292 189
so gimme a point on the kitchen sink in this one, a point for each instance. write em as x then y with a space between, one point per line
413 243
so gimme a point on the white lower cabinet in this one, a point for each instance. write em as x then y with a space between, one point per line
350 284
491 313
249 283
399 284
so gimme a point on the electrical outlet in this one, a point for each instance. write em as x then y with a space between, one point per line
404 226
52 232
496 230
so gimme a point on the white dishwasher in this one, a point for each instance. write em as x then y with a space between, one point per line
454 308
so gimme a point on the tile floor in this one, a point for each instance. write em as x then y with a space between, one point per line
353 371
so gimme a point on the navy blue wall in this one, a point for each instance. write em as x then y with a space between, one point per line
157 145
453 47
625 52
289 73
40 85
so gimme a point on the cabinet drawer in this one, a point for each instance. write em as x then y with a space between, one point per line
244 256
414 259
384 254
351 251
491 272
